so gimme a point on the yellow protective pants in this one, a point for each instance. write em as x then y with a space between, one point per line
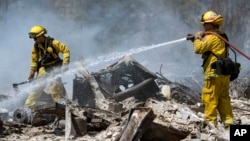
215 96
57 90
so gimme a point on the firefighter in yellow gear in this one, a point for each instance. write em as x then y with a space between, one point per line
215 91
45 60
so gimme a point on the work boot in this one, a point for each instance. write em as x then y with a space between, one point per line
227 126
212 127
228 123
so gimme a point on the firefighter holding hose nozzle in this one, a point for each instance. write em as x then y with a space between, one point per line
215 91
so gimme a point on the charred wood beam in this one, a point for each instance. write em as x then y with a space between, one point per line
39 119
160 132
101 102
39 115
51 108
131 91
91 113
15 124
92 81
2 129
138 121
79 126
68 122
82 93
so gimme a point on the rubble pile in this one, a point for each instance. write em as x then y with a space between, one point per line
123 102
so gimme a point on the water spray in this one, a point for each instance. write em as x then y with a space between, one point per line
22 94
34 85
118 55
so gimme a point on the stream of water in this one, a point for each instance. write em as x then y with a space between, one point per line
14 102
117 55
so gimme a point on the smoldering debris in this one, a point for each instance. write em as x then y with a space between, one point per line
122 102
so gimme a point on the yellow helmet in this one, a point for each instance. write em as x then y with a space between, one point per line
212 17
36 31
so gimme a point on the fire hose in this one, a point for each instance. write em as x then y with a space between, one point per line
230 44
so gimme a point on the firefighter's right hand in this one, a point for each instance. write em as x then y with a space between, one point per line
31 75
190 37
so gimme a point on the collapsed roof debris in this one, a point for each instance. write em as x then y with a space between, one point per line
123 102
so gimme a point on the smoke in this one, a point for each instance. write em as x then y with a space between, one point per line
118 27
97 31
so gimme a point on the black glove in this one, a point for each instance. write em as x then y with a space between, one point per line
190 37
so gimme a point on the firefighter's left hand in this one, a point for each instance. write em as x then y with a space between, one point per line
199 35
65 67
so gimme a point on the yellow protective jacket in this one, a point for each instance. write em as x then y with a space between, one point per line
52 47
210 43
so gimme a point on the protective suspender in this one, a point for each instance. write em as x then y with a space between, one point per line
224 35
48 43
47 57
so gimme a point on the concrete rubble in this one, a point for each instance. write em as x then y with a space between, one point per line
124 102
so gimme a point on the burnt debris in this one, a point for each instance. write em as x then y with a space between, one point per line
122 102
